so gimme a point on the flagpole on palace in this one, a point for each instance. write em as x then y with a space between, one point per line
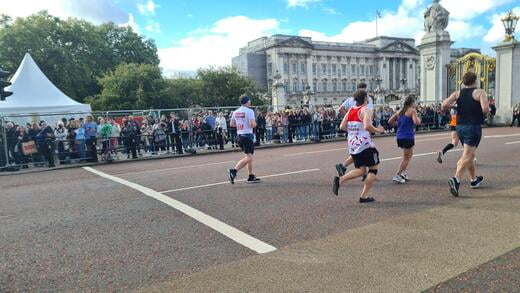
378 14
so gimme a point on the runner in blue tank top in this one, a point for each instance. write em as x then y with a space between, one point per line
406 120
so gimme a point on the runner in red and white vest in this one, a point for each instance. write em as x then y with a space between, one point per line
358 123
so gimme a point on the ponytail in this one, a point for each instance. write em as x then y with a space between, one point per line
407 104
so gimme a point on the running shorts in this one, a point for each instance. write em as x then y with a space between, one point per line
470 134
367 158
405 143
246 143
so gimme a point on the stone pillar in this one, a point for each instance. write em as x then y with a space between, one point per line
435 51
507 86
279 102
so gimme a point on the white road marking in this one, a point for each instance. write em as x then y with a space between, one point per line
432 135
316 152
430 139
419 155
175 168
215 224
501 136
241 180
513 142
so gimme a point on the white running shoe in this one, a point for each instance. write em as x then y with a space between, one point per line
399 179
405 176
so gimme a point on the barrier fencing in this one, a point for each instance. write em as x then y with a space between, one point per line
66 138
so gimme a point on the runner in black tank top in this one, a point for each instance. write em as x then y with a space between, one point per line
472 104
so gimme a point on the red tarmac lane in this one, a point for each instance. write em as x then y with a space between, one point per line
72 230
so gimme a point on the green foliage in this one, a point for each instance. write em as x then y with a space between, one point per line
72 53
113 66
223 86
131 86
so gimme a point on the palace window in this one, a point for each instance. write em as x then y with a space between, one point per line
303 86
294 68
344 84
314 66
334 86
334 69
270 68
324 86
362 69
286 68
343 69
302 68
315 86
295 86
324 69
353 69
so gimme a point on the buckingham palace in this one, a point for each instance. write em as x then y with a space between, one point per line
330 71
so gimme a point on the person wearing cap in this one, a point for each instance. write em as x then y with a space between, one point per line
244 121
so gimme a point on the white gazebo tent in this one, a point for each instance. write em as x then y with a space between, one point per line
36 98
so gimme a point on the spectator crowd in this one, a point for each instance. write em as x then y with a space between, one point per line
109 138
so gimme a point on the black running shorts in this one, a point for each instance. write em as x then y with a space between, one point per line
367 158
405 143
246 143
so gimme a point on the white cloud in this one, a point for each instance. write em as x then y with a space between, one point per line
408 21
131 23
96 11
497 32
147 8
301 3
466 10
216 45
391 24
331 11
153 27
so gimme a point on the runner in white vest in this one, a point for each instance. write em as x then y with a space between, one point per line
343 109
244 120
358 123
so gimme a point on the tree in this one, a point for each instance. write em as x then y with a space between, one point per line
130 87
72 53
222 87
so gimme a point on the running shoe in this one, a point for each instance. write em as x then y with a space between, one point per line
341 169
366 199
477 182
232 174
454 186
399 179
405 176
439 157
253 179
335 185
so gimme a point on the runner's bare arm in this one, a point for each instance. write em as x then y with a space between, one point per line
232 122
393 119
343 125
450 101
252 123
483 101
415 117
367 121
342 110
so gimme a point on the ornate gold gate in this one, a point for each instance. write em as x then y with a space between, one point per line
484 66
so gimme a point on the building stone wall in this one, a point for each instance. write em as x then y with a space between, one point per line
332 70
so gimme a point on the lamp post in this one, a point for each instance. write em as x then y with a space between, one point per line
379 91
403 89
308 95
510 21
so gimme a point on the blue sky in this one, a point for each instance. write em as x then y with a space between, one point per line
199 33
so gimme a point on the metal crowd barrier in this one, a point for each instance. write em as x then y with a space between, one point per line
190 136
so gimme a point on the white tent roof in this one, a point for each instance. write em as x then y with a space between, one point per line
34 93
